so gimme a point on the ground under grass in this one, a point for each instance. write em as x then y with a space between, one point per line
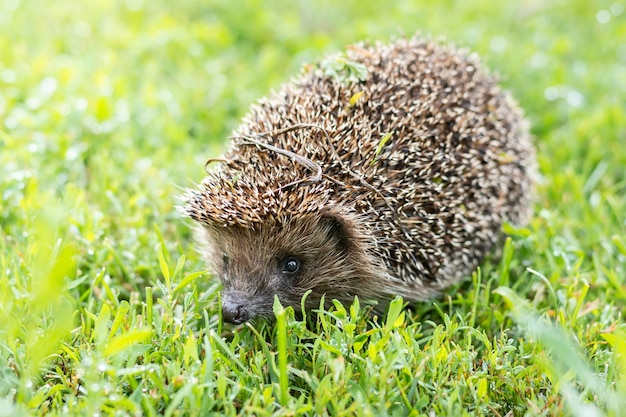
107 108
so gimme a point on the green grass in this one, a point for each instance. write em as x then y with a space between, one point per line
107 108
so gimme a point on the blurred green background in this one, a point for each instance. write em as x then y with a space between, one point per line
109 108
116 104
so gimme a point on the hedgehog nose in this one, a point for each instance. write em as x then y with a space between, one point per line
233 312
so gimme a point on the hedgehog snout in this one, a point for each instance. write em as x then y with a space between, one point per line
233 308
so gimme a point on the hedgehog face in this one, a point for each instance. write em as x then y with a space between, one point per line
286 258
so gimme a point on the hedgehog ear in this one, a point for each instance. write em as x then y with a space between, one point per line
337 230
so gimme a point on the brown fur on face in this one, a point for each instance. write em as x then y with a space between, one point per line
332 258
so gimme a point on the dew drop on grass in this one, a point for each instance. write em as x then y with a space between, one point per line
134 5
579 68
72 153
143 164
498 44
8 76
11 5
603 17
538 60
33 103
48 86
80 105
75 151
10 123
107 388
551 93
575 99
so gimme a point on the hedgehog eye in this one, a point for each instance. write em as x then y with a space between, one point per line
225 258
290 265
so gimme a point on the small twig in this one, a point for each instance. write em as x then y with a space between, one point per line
213 160
306 162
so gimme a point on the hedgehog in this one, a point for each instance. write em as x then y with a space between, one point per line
386 170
